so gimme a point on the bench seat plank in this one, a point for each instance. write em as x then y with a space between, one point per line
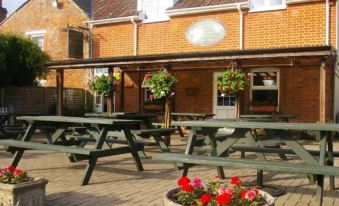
300 168
48 147
161 131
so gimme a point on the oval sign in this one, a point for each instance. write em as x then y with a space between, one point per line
206 32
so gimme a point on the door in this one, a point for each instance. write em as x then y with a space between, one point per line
98 102
224 106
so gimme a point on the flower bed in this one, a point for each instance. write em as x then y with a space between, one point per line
216 193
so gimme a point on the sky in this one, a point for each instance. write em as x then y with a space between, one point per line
12 5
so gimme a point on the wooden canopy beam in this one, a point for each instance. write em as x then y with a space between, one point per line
60 92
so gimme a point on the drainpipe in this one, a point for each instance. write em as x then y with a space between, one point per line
327 22
135 37
240 26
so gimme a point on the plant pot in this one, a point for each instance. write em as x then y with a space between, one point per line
153 107
169 194
268 82
31 193
263 108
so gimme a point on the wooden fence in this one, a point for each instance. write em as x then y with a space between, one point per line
42 101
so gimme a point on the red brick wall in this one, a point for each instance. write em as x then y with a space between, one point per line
40 15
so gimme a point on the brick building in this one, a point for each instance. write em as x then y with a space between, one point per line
51 24
290 42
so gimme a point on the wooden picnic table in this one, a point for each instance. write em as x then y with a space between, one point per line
178 116
159 135
58 141
315 163
278 117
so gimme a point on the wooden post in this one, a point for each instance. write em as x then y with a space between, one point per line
168 119
140 90
322 93
109 99
60 92
122 88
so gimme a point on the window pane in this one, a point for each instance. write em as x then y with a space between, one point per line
257 3
39 40
265 97
150 9
276 2
265 78
101 71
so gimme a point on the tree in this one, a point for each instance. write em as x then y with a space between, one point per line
21 61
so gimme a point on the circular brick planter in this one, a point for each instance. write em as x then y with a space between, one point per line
169 194
24 194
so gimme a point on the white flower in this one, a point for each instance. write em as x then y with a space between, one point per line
162 93
222 94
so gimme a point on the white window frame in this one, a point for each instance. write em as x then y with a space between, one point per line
40 33
267 6
274 87
165 17
145 87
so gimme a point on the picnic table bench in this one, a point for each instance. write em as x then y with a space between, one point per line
59 143
317 167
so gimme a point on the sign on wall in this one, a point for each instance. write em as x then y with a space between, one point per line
206 32
75 44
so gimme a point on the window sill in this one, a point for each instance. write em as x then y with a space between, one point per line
264 9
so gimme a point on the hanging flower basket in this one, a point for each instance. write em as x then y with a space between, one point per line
233 81
104 85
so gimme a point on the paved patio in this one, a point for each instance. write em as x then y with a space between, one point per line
116 182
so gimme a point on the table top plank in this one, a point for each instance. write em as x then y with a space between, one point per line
80 120
192 114
268 116
260 125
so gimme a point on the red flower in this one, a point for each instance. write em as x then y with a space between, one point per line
256 191
183 181
243 193
148 76
187 188
18 172
235 181
170 74
205 198
229 90
224 199
10 168
238 86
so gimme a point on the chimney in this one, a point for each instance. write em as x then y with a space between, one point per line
3 12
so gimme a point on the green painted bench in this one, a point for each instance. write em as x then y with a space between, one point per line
319 170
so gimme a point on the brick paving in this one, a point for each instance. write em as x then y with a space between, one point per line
115 180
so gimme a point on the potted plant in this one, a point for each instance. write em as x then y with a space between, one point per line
216 193
17 189
268 80
106 86
233 81
265 107
162 88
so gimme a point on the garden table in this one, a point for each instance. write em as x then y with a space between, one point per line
178 116
146 120
58 142
243 131
277 117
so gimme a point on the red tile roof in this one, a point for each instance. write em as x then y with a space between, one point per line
183 4
105 9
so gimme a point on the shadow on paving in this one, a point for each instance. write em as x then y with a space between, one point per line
77 198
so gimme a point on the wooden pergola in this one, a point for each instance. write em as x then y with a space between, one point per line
325 54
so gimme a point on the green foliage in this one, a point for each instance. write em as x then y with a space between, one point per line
104 85
232 81
162 83
21 61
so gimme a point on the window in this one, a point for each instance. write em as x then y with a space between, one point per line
155 10
147 91
75 44
263 5
37 37
100 72
265 88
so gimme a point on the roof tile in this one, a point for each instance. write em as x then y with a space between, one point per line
105 9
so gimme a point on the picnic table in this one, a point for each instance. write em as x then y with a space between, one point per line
178 116
317 164
276 117
159 134
59 143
